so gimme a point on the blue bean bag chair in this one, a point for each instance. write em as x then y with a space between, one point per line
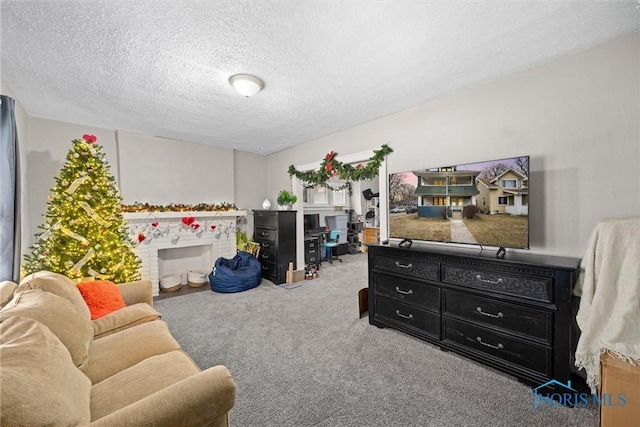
236 275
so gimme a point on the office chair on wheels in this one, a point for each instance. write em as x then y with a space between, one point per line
331 242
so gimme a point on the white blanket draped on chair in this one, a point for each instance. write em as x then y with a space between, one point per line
609 287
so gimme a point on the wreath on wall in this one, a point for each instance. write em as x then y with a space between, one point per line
333 168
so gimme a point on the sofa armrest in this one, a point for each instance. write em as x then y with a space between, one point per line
135 292
203 399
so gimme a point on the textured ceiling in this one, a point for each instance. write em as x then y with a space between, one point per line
162 67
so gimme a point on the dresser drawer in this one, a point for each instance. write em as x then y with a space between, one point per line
265 220
312 259
513 318
530 356
267 256
397 312
265 234
406 266
407 291
268 270
531 287
311 244
267 244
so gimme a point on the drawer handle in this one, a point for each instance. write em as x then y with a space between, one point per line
495 316
312 252
497 347
496 282
402 291
264 233
403 265
406 316
265 245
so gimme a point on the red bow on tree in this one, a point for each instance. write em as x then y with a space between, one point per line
89 138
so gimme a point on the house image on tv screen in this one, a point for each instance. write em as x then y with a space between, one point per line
506 193
445 188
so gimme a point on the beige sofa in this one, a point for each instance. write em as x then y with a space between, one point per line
59 367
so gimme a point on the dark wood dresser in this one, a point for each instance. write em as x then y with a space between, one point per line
276 233
513 314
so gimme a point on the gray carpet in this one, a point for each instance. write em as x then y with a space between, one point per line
303 357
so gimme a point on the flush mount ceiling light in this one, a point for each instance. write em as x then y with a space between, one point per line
246 84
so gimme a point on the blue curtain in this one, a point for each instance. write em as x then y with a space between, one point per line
9 194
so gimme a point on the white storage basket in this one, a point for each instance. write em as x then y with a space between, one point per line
170 282
196 278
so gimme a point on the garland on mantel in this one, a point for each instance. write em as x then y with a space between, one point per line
178 207
333 168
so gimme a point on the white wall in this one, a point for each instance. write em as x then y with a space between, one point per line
162 171
577 117
250 172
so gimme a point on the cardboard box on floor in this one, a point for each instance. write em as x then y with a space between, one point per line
294 276
619 378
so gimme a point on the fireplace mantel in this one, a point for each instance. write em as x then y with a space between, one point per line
213 231
196 214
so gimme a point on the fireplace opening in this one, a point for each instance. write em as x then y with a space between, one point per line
181 260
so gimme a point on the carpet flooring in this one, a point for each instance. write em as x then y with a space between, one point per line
304 357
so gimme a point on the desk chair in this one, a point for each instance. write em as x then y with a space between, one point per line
331 242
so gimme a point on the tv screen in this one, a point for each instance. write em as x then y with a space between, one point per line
484 203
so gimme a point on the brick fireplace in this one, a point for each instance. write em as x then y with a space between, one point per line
175 242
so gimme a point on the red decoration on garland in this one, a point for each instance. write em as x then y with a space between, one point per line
141 237
154 224
195 226
90 138
213 226
188 220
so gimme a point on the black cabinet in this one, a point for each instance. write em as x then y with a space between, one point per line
513 314
276 233
312 254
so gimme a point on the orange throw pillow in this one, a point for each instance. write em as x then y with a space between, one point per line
102 297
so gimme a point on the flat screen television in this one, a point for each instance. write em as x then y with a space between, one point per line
483 203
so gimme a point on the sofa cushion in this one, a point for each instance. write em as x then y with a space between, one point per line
57 314
151 375
56 284
40 384
102 297
113 353
7 288
124 318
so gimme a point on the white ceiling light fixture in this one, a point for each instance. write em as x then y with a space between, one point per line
246 84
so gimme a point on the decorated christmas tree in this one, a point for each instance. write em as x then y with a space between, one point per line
84 233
